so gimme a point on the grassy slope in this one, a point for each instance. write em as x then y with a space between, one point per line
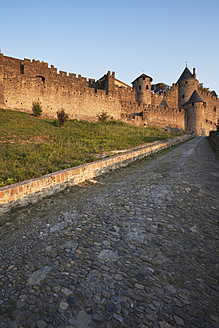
31 147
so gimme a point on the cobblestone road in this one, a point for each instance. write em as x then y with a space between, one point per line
137 249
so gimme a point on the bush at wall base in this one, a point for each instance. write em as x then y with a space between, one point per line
36 108
62 118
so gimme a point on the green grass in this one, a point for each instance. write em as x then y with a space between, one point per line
31 146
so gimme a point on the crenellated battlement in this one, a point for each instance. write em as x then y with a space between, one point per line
170 110
23 81
207 94
12 66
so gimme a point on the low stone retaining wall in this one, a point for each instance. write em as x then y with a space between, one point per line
22 193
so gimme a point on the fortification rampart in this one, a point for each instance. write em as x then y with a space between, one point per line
156 116
24 81
164 117
171 96
168 98
132 107
211 112
156 98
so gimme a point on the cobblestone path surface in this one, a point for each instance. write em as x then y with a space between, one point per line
136 249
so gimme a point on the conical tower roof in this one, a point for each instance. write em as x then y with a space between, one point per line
186 74
195 97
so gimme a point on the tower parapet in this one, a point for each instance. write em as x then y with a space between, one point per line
194 118
187 83
142 87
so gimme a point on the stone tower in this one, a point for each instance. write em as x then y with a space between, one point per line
194 114
187 83
142 87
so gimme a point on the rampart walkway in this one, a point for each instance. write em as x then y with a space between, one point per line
137 249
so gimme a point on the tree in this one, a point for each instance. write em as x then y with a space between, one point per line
36 108
160 87
62 118
201 88
213 93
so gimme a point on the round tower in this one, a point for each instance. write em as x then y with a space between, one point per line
187 83
194 114
142 87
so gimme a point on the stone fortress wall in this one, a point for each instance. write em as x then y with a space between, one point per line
24 81
211 112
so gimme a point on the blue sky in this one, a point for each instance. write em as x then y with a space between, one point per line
90 37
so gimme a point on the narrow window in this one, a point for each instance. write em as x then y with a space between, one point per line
192 104
214 109
139 87
146 87
183 96
186 82
21 68
206 121
143 78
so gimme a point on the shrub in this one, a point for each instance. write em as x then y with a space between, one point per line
103 117
36 108
62 118
214 132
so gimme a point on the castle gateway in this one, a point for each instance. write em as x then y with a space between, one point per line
183 106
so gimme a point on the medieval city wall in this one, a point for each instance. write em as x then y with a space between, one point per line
24 81
202 117
156 116
132 107
161 117
156 98
211 111
171 96
81 103
167 99
55 91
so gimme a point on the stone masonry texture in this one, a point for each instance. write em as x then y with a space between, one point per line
23 82
137 249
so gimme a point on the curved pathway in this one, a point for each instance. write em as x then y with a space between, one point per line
136 249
